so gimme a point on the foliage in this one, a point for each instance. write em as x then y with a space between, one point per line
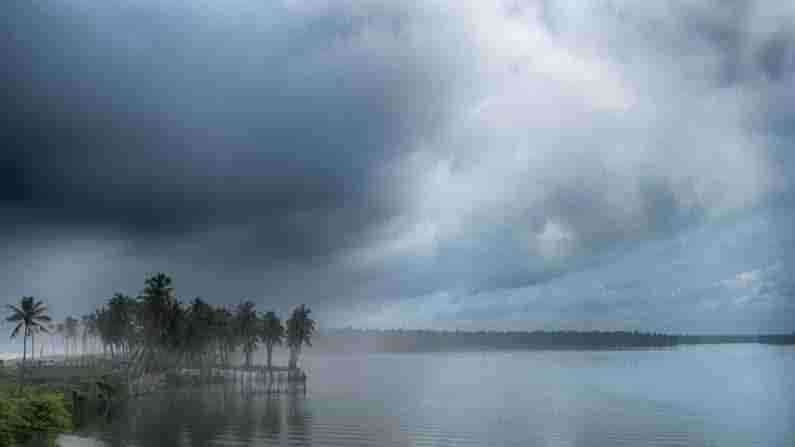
158 309
41 407
163 333
436 340
154 331
46 412
90 330
119 324
31 413
300 328
272 333
248 329
157 331
30 317
9 419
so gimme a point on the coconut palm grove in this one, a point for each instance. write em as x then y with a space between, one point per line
160 331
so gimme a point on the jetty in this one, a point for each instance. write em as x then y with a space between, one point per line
255 379
259 378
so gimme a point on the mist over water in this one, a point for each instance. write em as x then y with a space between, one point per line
733 395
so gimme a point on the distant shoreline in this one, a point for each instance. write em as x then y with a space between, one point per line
365 340
397 340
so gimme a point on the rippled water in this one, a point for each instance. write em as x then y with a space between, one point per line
741 395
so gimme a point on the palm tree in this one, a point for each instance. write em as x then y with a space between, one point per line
199 332
158 305
272 333
60 329
247 322
86 324
33 331
160 312
30 317
224 332
299 332
70 331
89 324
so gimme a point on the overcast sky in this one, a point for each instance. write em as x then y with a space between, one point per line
569 164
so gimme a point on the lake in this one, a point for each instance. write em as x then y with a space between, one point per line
719 395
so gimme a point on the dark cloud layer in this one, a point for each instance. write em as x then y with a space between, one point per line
372 157
170 124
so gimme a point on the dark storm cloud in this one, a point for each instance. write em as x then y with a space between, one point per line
470 158
152 123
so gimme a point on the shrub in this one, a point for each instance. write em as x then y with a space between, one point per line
9 418
25 416
46 413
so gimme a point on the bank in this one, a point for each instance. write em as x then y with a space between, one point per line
43 402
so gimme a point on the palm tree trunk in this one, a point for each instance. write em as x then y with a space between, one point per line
24 348
270 353
32 345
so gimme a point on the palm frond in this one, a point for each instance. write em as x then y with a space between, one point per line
40 327
17 315
15 332
14 308
14 318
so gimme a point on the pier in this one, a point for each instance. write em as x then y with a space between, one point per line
257 379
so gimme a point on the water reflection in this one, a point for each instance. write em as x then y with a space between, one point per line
202 418
299 420
272 419
576 399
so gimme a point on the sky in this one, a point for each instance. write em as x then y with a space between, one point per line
589 164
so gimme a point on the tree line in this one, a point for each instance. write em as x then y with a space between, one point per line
158 330
363 340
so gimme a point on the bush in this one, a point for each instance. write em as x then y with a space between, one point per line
27 415
46 413
9 418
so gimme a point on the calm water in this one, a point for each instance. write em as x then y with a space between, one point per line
742 395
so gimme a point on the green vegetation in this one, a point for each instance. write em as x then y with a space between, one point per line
300 328
30 317
42 405
157 331
272 333
121 341
25 415
248 328
369 340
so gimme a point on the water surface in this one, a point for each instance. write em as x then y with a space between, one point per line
730 395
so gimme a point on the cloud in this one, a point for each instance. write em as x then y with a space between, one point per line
569 135
716 278
372 155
